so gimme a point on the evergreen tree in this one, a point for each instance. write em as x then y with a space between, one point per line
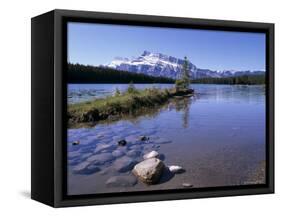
185 76
185 73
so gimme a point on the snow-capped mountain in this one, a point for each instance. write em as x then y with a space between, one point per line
157 64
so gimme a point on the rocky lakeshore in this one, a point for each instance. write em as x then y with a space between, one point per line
119 105
130 159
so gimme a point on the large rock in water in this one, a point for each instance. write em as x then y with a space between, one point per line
149 171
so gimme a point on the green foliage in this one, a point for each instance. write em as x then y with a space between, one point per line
126 103
180 83
117 92
245 79
185 76
78 73
131 88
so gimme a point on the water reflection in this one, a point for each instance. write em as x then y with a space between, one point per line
181 104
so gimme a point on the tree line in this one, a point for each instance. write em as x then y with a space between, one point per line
244 79
78 73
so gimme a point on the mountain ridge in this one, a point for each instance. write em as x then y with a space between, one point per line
158 64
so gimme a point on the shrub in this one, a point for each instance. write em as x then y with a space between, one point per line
117 92
131 88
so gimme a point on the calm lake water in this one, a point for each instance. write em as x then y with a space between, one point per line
217 136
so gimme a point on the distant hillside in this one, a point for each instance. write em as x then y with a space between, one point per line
78 73
244 79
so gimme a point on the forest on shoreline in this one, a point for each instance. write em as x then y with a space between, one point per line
244 79
81 74
86 74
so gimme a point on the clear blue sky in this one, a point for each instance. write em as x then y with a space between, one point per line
96 44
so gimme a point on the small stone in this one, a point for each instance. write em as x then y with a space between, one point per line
149 171
118 153
144 138
176 169
121 181
122 142
187 185
151 154
76 142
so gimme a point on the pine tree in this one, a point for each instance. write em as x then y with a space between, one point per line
185 76
185 73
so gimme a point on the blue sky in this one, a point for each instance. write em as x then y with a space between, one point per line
96 44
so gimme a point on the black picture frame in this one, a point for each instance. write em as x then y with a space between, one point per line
48 67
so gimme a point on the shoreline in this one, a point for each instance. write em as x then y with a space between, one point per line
115 107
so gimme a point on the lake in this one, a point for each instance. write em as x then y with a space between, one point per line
217 136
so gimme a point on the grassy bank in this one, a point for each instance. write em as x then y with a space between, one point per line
121 104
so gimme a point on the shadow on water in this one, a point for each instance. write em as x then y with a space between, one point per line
166 176
162 157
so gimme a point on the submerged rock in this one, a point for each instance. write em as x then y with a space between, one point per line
151 154
133 153
124 164
122 142
121 181
118 153
101 147
100 159
149 171
136 147
131 139
176 169
85 168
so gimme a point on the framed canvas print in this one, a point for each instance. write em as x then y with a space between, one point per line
129 108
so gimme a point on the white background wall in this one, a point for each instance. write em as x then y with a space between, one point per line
15 106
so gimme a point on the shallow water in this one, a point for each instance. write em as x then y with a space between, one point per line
217 136
84 92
